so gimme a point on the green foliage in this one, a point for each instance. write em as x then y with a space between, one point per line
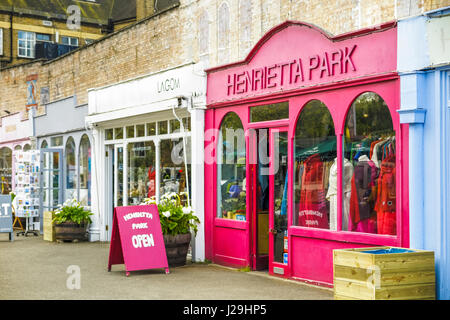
174 217
72 211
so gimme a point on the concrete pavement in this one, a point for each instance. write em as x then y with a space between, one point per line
31 268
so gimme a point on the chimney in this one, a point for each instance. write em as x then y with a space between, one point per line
144 8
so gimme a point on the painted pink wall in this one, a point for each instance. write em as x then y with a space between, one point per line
310 257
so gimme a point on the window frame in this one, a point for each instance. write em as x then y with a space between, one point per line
1 41
70 41
32 41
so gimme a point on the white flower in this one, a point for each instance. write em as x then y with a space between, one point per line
166 214
187 210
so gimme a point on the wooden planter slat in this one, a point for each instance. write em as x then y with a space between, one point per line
390 276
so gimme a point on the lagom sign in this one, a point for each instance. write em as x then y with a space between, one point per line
166 85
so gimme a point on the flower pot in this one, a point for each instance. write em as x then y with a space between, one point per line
69 231
177 248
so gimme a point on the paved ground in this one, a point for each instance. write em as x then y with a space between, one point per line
31 268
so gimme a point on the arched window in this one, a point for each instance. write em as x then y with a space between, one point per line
26 147
231 197
85 170
71 172
369 151
314 155
5 170
44 144
18 147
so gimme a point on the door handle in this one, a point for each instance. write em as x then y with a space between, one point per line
273 231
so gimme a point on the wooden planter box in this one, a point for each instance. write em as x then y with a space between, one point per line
384 273
49 228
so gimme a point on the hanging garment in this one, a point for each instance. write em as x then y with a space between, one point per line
313 210
385 205
362 197
332 194
151 182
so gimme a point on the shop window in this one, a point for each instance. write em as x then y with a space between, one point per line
84 161
71 172
270 112
5 170
314 155
369 157
174 177
151 129
56 141
44 144
130 131
162 127
118 133
109 134
231 160
141 171
27 147
140 130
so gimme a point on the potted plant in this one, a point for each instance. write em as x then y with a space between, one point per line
177 223
71 221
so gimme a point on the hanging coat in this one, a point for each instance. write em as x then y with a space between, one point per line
313 210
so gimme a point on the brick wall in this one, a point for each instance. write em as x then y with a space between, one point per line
214 31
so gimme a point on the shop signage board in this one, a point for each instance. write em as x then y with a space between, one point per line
137 240
6 216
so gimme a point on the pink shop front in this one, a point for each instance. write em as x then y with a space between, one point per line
304 152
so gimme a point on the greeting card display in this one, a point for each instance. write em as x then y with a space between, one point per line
27 183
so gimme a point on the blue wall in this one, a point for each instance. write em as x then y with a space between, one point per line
425 107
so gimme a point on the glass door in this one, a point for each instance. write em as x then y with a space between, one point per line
118 176
278 204
51 182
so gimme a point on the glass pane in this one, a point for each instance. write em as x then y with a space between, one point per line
119 176
174 126
280 167
369 203
55 178
187 124
314 154
269 112
27 147
140 130
151 129
109 134
55 198
173 170
85 171
44 144
46 197
231 156
162 127
5 170
118 133
71 172
56 141
130 132
55 162
141 171
46 179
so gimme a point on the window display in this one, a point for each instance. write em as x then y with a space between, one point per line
141 171
85 171
370 147
5 169
231 196
71 172
314 154
173 170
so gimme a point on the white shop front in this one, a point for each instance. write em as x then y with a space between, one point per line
148 140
